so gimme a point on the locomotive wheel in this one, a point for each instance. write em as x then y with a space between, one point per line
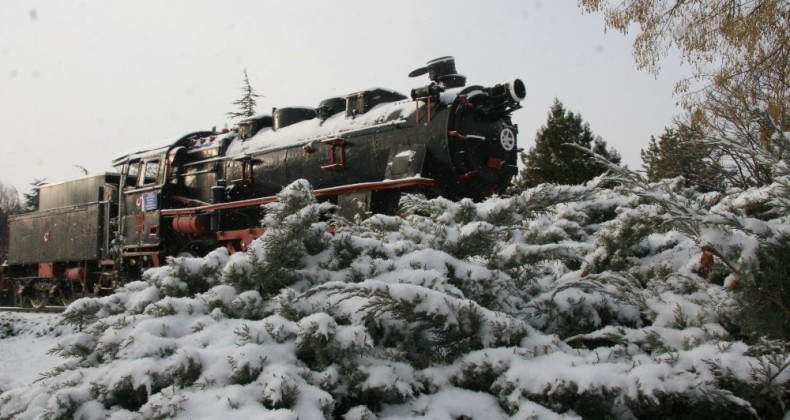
71 291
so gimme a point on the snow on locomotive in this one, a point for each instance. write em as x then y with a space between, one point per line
205 189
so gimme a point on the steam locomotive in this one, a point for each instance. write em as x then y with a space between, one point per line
204 190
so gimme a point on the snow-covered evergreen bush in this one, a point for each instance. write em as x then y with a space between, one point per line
558 302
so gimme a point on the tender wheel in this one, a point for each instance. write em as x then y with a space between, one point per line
38 300
33 294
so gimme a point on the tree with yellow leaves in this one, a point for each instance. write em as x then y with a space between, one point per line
720 39
739 52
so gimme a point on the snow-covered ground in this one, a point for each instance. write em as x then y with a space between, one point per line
25 343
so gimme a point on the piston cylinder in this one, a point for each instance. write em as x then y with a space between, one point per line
191 225
75 274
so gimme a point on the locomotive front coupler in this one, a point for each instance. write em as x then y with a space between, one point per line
501 110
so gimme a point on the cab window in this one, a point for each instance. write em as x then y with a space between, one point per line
150 173
132 172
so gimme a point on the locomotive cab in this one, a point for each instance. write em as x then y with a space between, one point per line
173 177
143 179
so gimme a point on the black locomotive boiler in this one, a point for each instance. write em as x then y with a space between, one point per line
204 190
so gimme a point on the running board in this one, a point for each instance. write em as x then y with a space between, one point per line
323 192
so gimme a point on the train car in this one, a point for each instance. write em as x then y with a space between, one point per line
203 190
60 251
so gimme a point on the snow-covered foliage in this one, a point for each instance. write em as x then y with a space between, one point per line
559 302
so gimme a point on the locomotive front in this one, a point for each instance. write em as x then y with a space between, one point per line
478 152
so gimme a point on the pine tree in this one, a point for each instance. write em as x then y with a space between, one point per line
246 104
554 159
9 204
31 197
452 310
677 152
293 232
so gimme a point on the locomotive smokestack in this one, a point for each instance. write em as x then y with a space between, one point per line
442 71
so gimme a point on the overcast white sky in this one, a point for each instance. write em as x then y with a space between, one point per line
83 82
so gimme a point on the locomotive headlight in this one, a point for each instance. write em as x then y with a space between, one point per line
507 138
507 93
517 90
